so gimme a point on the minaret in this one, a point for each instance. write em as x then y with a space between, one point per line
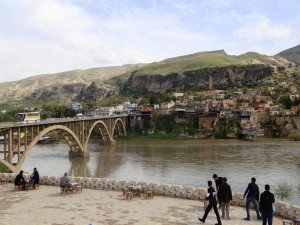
210 82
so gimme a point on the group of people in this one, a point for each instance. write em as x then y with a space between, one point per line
34 179
263 204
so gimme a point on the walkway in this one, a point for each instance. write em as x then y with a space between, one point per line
46 206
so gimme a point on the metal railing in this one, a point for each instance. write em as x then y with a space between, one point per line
57 120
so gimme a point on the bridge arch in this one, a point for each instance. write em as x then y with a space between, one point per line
103 129
70 137
120 125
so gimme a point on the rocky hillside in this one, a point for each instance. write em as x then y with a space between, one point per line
219 77
195 71
209 59
63 85
292 54
200 70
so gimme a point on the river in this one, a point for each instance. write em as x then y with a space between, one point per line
188 162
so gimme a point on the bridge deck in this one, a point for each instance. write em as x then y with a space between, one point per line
4 125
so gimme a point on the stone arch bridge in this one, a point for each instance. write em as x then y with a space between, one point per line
19 139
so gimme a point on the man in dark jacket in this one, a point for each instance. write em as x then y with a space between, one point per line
218 181
225 196
252 193
19 180
212 203
265 205
35 177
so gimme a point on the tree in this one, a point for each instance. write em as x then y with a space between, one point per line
286 101
283 190
163 122
6 117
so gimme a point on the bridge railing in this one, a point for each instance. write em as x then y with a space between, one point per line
53 120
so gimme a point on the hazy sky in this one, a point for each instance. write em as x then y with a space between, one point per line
47 36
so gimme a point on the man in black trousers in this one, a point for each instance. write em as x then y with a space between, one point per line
265 205
212 203
252 193
218 181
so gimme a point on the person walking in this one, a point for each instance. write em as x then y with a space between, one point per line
252 193
212 203
218 181
225 196
266 205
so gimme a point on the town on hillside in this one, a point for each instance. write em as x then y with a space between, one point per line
231 113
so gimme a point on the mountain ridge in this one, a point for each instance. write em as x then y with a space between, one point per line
292 54
111 77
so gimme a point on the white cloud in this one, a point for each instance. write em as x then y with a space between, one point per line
46 36
258 27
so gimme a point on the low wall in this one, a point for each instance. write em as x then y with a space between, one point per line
283 209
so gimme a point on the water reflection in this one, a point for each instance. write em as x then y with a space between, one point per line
79 167
190 162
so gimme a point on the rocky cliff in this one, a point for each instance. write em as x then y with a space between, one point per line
218 77
60 93
91 93
60 85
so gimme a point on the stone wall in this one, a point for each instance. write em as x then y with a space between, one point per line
176 191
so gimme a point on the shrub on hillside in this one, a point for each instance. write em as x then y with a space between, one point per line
295 136
283 190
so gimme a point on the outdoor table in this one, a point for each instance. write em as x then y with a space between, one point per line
3 182
76 187
296 221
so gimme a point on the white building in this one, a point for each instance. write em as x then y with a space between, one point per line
167 105
102 111
75 106
128 105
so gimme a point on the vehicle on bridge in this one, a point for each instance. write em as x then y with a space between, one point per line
28 117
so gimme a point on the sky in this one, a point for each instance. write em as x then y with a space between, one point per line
48 36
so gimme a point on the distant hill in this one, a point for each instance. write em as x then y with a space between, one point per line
199 70
202 60
292 54
40 84
69 86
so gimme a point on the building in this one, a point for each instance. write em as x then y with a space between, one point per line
129 106
146 118
75 106
119 108
167 105
228 103
178 95
207 120
102 111
259 106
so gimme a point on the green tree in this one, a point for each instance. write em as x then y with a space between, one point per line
286 101
283 190
163 122
4 117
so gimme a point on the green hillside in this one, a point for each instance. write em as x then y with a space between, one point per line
292 54
201 60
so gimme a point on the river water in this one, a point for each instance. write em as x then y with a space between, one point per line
188 162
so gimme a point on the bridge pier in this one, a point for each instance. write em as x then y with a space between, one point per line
79 154
108 143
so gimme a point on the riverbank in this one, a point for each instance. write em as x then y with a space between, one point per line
99 207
